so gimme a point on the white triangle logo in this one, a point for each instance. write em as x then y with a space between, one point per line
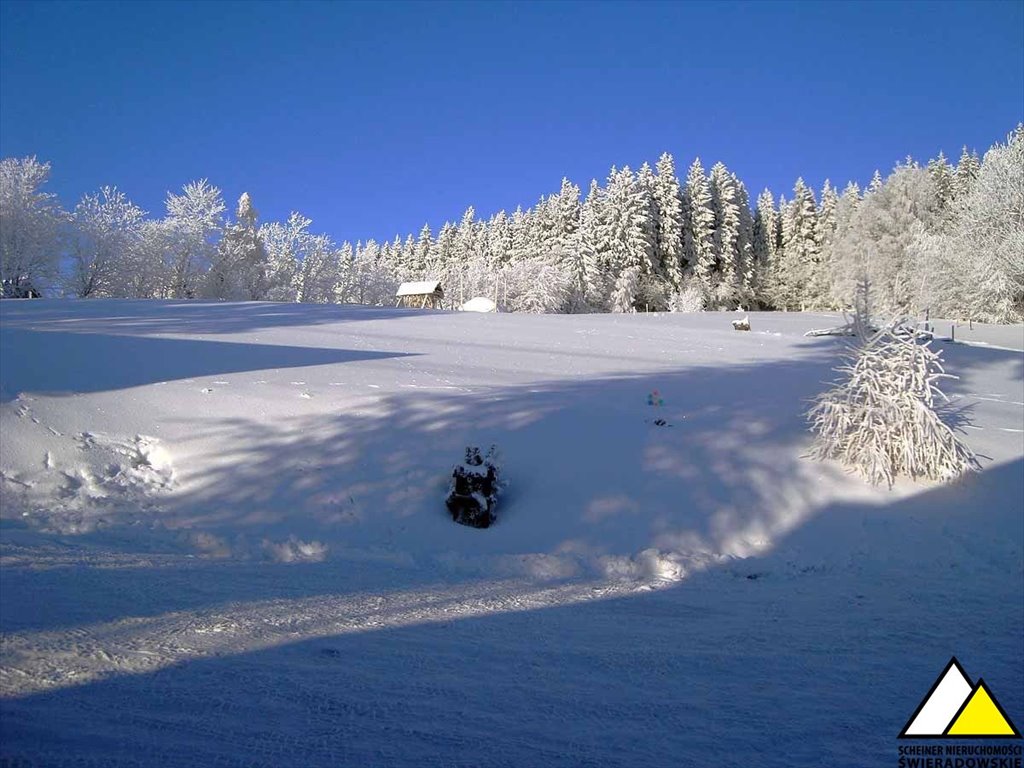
941 705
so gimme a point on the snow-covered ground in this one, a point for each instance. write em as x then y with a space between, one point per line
224 542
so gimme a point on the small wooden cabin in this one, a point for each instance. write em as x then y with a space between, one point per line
422 294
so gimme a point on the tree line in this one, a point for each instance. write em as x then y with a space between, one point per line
945 236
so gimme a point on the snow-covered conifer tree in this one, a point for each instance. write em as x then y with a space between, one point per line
421 254
623 231
765 243
239 271
819 293
800 253
563 246
668 202
498 240
725 238
699 222
966 172
884 417
942 176
593 249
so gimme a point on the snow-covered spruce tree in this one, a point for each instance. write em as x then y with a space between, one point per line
699 220
839 271
668 247
498 240
966 172
942 174
883 418
654 286
800 255
565 244
239 271
593 251
421 254
744 246
624 235
725 237
820 287
764 246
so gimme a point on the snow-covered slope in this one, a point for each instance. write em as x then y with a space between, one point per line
224 541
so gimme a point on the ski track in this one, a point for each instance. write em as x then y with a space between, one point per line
36 662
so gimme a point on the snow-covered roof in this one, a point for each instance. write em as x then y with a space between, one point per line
418 288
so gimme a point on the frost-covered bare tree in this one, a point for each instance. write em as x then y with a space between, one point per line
30 228
877 242
369 280
534 285
301 266
974 260
193 226
883 418
106 229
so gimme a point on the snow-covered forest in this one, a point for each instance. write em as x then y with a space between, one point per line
942 236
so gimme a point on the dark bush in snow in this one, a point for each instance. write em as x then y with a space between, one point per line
474 489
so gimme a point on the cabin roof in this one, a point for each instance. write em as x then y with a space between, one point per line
419 288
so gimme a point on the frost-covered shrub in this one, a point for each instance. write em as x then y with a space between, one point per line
294 550
883 418
689 299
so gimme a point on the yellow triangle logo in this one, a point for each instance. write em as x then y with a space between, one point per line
981 715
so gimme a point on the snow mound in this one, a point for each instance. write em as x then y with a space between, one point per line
295 550
479 304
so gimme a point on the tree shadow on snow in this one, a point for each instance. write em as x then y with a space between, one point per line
152 316
74 362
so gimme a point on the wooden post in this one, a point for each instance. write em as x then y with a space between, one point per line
952 332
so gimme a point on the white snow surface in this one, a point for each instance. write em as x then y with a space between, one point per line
223 541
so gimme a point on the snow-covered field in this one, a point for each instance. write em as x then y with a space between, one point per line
224 542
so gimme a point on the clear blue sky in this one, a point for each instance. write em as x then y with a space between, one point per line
375 118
